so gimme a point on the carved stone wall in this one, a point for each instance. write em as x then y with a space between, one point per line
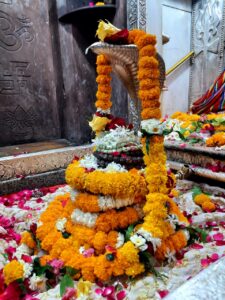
29 80
208 18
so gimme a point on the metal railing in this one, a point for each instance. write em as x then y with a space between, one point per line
180 62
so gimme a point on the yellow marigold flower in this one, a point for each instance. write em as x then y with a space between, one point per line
208 206
220 128
129 253
83 287
106 29
186 133
99 3
218 139
98 123
135 269
28 240
201 198
13 271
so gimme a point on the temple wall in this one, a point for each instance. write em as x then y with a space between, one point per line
29 74
176 23
47 83
208 37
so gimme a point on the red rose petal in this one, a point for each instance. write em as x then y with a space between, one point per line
163 293
218 237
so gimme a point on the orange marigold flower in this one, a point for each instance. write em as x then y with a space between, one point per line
87 202
103 79
100 241
208 206
105 97
145 40
103 105
102 60
104 69
149 94
45 259
28 240
134 35
104 88
218 139
148 113
148 62
201 198
145 73
148 83
148 50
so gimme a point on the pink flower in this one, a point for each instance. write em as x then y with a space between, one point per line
214 257
70 294
57 265
88 253
205 262
183 145
218 237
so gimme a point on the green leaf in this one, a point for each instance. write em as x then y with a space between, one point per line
203 234
5 255
181 135
71 271
38 269
129 232
66 281
196 191
196 233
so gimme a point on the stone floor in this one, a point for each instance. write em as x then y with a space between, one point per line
33 147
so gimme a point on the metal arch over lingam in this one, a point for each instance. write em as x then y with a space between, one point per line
124 62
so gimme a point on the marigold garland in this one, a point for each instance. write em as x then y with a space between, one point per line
95 203
118 185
